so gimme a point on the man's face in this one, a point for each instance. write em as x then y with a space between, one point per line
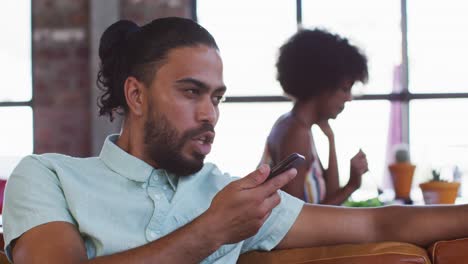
183 109
334 102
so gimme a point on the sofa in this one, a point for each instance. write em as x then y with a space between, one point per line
441 252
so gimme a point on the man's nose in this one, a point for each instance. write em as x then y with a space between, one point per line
207 112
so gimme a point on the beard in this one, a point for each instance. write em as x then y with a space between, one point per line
164 146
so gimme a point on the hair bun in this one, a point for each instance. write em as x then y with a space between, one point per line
114 62
114 37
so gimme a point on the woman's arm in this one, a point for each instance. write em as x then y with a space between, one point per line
336 195
331 175
358 167
293 139
319 225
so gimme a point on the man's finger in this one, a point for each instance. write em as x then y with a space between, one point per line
279 181
273 200
270 203
256 177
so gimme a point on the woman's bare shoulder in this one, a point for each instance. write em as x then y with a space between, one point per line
287 135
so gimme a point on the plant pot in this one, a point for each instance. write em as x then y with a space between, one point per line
402 178
439 192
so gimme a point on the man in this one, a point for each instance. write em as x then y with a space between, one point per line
149 198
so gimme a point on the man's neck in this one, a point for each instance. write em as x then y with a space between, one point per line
131 140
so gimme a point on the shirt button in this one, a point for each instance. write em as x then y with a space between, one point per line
164 187
144 185
157 197
153 234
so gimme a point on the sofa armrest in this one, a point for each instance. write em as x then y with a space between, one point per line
383 253
450 251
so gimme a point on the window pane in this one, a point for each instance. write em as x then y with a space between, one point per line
437 46
241 135
362 125
17 137
374 26
15 50
439 137
249 34
240 140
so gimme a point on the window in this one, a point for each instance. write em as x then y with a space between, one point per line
437 66
241 134
438 131
16 92
356 129
438 47
416 67
373 26
248 44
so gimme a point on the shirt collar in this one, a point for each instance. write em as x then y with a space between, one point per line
123 163
173 180
130 166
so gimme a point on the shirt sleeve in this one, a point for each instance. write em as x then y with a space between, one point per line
277 225
33 196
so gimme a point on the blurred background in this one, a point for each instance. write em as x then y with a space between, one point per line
417 92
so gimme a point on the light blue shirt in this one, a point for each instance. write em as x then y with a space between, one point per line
118 202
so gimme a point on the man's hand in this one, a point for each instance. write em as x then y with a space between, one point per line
357 169
236 213
239 210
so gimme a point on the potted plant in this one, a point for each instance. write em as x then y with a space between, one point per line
438 191
402 172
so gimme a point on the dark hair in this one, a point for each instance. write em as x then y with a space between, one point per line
127 50
312 62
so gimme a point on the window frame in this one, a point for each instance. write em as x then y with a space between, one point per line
16 103
30 102
404 97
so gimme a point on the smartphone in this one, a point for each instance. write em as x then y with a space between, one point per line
292 161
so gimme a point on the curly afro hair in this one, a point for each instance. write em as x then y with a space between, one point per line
315 61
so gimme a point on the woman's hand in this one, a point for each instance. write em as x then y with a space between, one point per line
326 129
357 169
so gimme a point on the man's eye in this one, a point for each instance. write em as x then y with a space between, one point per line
346 89
218 99
192 91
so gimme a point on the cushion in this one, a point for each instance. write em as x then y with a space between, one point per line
383 253
451 251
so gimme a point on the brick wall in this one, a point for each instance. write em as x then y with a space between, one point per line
61 66
143 11
60 76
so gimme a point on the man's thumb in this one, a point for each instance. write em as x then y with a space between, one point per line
256 177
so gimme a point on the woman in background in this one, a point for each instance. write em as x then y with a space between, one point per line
317 69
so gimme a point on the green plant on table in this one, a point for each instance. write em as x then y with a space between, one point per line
373 202
436 176
402 154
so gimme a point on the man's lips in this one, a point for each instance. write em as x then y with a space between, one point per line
203 142
205 138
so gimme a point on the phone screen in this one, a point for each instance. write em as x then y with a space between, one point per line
292 161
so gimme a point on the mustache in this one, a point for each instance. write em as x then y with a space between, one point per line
197 131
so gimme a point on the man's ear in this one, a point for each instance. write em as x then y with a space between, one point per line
135 95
